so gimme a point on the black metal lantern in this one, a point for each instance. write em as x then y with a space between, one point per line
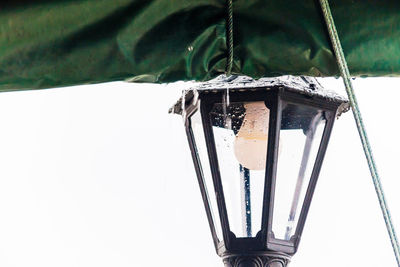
257 147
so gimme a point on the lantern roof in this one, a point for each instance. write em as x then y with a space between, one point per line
299 84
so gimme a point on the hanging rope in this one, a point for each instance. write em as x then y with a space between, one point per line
344 71
229 38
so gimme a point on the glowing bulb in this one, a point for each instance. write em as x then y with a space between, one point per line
251 140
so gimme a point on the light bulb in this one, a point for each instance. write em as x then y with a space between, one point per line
252 138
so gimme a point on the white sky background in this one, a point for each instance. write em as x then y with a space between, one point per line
101 175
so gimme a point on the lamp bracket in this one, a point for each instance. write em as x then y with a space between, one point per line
257 259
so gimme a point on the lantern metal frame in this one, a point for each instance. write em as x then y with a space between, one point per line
263 247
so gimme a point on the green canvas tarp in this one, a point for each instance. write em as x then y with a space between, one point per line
67 42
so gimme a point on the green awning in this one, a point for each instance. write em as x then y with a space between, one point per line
67 42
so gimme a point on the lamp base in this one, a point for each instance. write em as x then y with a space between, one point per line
261 259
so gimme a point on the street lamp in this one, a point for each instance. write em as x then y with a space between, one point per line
257 148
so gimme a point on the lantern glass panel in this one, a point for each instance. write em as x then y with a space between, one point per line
240 133
200 145
299 139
